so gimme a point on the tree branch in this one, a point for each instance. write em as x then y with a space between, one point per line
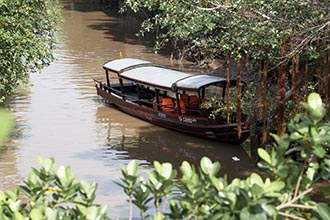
291 216
291 202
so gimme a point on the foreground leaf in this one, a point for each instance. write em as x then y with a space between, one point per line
6 125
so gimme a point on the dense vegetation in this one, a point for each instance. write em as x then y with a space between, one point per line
27 29
286 192
283 46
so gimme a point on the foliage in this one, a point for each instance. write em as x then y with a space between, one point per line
27 29
284 194
283 44
218 107
51 194
211 29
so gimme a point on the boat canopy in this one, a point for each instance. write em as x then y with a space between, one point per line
147 73
121 65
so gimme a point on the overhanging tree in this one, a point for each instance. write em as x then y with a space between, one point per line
27 29
277 36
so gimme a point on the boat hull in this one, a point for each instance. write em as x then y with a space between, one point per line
196 126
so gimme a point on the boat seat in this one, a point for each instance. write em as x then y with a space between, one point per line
185 98
167 105
193 101
181 107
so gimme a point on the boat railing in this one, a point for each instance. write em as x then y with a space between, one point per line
171 107
98 83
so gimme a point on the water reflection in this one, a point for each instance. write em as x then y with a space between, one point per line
8 170
133 139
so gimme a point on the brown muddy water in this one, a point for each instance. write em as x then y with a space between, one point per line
59 115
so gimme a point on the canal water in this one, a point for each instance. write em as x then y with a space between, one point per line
58 114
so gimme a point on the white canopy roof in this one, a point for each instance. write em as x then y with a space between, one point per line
147 73
121 64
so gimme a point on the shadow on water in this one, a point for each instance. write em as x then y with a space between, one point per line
80 5
122 28
147 143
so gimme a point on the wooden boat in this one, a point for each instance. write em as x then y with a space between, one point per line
169 98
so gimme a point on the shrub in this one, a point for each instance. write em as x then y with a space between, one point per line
285 193
51 194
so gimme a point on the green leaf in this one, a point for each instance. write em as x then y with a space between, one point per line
314 106
88 189
36 214
275 186
159 216
132 167
315 101
296 136
206 164
92 213
323 210
46 164
65 176
256 179
82 209
208 167
319 151
244 214
313 168
154 181
3 196
158 166
217 183
264 155
232 198
166 170
6 124
186 169
51 214
14 206
19 216
33 179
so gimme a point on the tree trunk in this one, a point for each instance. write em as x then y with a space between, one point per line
327 73
294 81
228 88
254 118
238 99
259 91
281 89
306 75
264 102
297 73
294 76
